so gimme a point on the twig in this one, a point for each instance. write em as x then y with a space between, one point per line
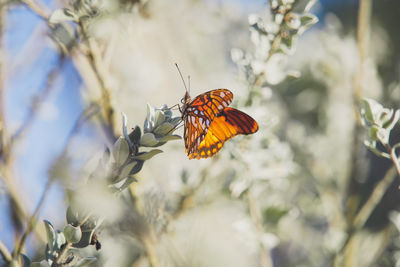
40 10
94 58
354 223
394 157
5 253
367 209
32 221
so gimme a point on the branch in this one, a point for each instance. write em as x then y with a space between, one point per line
5 253
32 221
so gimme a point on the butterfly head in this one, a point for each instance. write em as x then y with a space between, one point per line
185 102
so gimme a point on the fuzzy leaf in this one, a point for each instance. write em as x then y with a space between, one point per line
85 240
135 135
148 139
85 261
126 171
62 15
159 118
72 233
129 180
51 234
147 155
170 138
138 167
26 261
60 241
164 129
120 151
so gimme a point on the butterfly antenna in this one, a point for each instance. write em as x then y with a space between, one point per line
184 84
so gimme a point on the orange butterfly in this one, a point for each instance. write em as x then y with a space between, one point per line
209 122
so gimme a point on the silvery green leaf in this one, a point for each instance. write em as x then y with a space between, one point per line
148 139
64 34
138 167
129 180
51 234
170 138
147 155
373 133
370 110
372 146
135 135
125 171
89 225
85 261
391 123
383 135
159 118
149 122
49 254
73 217
120 151
85 240
167 111
163 129
72 233
307 20
26 261
62 15
175 121
60 240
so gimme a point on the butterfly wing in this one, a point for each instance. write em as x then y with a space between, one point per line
199 114
227 124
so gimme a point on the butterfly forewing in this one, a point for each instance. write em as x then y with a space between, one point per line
227 124
200 112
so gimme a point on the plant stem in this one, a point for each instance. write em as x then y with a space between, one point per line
394 157
5 253
32 221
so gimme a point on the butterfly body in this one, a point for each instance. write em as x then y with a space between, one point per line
209 122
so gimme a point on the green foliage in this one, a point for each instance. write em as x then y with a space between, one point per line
380 122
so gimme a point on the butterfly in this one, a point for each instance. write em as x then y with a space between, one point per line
209 122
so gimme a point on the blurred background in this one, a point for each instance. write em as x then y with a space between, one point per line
296 193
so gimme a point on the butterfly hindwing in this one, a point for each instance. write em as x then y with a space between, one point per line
227 124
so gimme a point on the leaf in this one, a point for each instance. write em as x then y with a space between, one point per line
60 241
85 261
159 118
135 135
26 261
72 233
272 215
64 34
147 155
164 129
170 138
120 151
138 167
129 180
148 140
126 171
85 240
62 15
308 20
51 234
